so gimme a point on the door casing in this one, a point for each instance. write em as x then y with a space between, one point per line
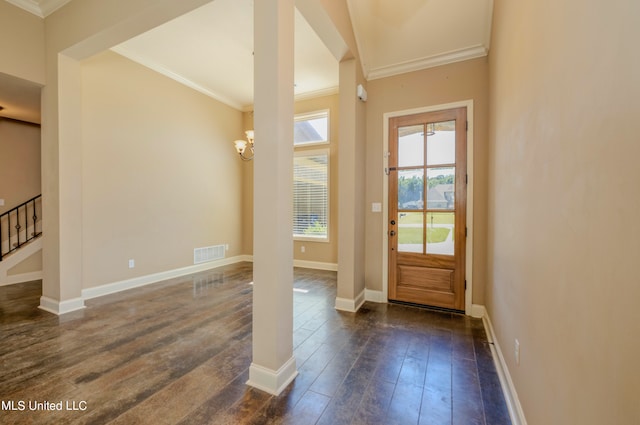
470 309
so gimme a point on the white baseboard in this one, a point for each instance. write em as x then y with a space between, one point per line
374 296
315 265
60 307
352 306
136 282
478 311
508 389
271 381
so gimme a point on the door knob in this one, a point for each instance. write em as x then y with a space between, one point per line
393 222
392 233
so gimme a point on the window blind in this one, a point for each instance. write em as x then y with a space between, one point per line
311 195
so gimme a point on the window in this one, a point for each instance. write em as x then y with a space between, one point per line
311 177
311 195
311 129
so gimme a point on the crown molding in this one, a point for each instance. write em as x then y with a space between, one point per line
41 8
428 62
317 93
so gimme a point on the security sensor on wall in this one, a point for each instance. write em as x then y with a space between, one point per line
361 92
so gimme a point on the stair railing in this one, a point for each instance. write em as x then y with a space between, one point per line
20 225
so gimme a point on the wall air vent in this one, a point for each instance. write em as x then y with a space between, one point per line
208 253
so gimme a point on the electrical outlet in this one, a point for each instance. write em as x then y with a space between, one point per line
132 263
517 351
226 247
302 249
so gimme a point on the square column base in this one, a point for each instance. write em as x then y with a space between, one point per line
270 381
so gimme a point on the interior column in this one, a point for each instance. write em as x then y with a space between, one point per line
273 366
62 188
350 286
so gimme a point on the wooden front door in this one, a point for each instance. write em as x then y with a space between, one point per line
427 208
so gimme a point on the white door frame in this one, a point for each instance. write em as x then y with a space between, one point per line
385 196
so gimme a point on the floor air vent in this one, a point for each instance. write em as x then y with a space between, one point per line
208 253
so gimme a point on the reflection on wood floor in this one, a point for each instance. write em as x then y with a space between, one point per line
178 352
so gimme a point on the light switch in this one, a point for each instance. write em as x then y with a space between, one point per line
376 207
1 202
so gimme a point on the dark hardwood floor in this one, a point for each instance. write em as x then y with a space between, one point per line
178 352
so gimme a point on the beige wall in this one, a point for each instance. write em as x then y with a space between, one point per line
21 43
435 86
563 234
76 32
30 264
247 190
160 176
19 162
323 252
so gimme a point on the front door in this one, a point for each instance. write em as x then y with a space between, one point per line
427 208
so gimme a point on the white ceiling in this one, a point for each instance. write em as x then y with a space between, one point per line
211 48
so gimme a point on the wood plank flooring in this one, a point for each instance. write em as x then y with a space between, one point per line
178 352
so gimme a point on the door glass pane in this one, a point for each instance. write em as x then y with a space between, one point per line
411 189
441 143
411 146
441 188
440 233
411 232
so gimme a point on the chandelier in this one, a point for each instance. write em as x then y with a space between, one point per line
241 146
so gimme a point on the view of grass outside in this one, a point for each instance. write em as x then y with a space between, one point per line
410 227
413 235
317 229
416 218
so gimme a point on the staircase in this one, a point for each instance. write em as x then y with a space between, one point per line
20 228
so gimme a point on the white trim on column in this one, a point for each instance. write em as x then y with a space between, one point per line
374 296
60 307
385 193
270 381
478 311
352 306
508 388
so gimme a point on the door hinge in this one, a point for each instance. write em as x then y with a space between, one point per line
465 232
466 179
466 126
465 284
